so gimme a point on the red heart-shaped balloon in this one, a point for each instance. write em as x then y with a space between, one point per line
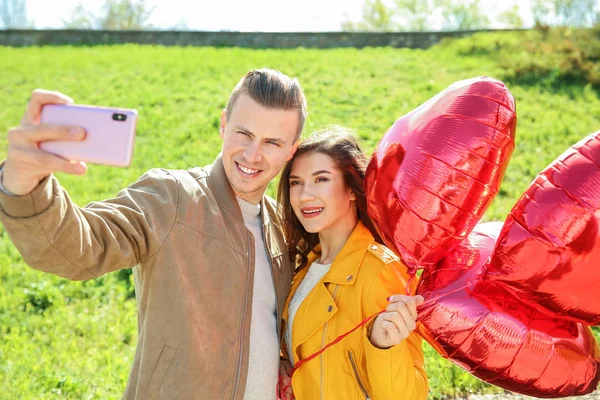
437 169
549 251
481 326
511 307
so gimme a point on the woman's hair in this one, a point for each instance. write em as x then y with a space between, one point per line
343 148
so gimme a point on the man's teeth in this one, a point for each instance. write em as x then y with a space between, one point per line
248 170
313 211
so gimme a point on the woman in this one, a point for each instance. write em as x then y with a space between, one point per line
344 275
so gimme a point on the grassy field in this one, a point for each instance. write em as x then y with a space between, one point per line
60 339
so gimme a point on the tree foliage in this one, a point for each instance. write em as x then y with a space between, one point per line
424 15
574 13
13 14
377 17
417 15
463 15
420 15
115 15
511 18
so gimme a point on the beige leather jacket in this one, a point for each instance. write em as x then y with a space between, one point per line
194 267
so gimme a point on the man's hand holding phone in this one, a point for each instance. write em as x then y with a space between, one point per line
57 136
26 164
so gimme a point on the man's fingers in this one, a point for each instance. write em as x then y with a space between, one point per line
49 162
38 99
31 135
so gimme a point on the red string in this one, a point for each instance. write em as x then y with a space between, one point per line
300 363
281 391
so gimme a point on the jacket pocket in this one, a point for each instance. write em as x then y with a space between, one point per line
359 381
164 362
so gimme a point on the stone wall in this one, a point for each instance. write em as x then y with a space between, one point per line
20 38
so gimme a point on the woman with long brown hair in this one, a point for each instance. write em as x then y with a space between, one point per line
344 275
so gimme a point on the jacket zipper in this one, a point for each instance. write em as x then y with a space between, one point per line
323 345
239 369
279 317
362 387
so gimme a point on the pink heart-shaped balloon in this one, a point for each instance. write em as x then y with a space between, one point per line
437 169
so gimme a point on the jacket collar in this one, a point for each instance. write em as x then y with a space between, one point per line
344 268
221 188
346 264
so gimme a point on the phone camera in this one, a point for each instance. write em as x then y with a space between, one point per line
119 117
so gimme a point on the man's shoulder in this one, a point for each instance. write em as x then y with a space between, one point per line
197 173
192 179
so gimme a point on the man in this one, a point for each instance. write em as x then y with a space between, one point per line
211 266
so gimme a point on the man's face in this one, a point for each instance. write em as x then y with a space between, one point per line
257 142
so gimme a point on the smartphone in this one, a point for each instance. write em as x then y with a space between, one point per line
110 133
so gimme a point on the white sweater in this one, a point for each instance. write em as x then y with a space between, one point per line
263 363
315 273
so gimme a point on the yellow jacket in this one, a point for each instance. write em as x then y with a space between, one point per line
361 278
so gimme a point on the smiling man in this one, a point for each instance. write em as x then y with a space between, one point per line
210 264
256 141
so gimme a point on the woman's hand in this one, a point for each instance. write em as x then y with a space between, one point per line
285 380
397 322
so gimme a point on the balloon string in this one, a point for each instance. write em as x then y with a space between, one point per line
281 390
300 363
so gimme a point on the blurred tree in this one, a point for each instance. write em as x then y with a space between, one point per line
542 11
13 14
463 15
181 25
422 15
417 13
115 15
575 13
80 19
377 17
512 18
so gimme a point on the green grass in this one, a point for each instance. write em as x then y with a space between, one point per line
60 339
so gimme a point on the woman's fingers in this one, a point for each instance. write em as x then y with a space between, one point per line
411 302
397 321
392 333
402 312
407 310
402 319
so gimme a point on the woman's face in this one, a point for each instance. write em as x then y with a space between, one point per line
318 195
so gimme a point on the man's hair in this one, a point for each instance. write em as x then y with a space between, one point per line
271 89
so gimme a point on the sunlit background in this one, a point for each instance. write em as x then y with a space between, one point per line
76 340
297 15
